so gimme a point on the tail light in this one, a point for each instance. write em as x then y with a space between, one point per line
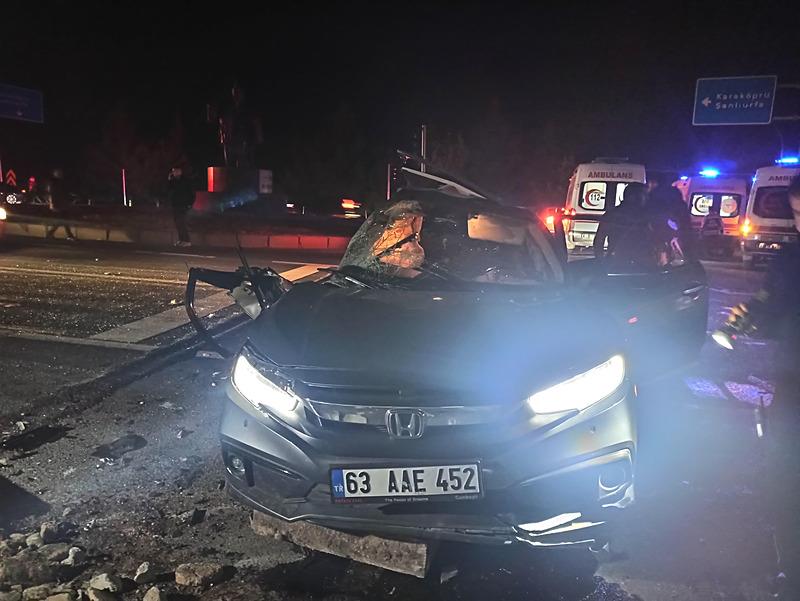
746 227
550 220
350 205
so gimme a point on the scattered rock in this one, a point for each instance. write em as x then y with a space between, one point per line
145 574
67 511
36 593
9 547
4 462
17 537
198 574
97 595
106 582
11 596
26 568
49 532
75 556
52 532
55 552
65 596
34 541
154 594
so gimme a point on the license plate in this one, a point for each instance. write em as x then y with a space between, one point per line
406 484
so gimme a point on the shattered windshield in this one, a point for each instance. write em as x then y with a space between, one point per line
411 242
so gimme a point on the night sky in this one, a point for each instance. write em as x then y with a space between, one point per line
565 83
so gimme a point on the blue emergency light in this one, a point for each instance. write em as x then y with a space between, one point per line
709 172
684 178
788 161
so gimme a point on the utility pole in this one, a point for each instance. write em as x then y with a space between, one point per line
423 146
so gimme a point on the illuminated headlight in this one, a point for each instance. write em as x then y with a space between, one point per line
262 392
3 214
581 391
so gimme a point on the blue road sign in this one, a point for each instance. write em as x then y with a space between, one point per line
734 100
21 104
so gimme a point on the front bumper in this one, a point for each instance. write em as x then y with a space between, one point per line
564 486
766 245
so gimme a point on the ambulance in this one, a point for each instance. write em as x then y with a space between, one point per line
708 191
593 188
767 224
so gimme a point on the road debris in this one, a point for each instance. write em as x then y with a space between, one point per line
106 582
154 594
75 556
200 575
145 573
30 440
117 448
398 556
36 593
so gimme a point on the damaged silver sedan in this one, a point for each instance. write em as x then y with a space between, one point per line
454 378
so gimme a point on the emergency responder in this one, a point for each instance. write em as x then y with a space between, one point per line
775 310
668 202
632 231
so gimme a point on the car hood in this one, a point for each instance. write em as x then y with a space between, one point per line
471 346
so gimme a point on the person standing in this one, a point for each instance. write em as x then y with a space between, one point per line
622 229
181 198
774 311
56 197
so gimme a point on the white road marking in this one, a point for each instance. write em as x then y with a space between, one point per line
156 252
38 336
733 292
83 274
153 325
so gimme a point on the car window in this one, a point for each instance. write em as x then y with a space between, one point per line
594 194
772 202
701 204
729 205
407 243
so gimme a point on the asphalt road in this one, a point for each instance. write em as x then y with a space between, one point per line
697 531
70 312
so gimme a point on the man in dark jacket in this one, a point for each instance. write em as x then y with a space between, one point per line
181 198
775 311
622 228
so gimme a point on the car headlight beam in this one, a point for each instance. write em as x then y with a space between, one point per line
262 392
581 391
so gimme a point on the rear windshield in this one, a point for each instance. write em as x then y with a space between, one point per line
772 202
727 204
594 194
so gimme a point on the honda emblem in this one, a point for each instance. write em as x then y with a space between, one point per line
405 423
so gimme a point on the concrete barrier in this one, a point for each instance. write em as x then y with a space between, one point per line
168 237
